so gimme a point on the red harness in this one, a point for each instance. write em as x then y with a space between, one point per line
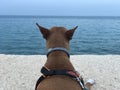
73 74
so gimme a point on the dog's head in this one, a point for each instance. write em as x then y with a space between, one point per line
57 36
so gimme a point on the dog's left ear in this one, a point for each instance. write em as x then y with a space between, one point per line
45 32
70 33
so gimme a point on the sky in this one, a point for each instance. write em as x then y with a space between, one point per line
60 7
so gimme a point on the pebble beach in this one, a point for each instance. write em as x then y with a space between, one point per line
20 72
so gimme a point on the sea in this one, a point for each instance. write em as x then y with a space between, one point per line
95 35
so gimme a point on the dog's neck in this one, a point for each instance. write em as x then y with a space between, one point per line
59 59
50 50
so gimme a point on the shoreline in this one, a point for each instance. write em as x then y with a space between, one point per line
20 72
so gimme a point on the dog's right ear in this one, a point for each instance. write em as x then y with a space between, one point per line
70 33
45 32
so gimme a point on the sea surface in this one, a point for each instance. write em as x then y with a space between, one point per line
95 35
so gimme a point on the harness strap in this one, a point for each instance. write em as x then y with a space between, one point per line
39 81
46 72
70 73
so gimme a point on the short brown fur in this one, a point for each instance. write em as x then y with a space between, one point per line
58 60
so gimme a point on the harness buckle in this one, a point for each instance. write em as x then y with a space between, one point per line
80 81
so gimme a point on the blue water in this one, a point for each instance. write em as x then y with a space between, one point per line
95 35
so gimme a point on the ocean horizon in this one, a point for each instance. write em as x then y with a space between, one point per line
99 35
53 16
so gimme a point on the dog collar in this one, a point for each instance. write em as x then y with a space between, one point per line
50 50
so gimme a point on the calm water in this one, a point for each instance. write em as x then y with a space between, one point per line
95 35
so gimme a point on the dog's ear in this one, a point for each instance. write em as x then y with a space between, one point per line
70 33
45 32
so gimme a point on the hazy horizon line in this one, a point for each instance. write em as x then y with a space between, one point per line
66 15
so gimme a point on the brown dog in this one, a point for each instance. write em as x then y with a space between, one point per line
57 43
